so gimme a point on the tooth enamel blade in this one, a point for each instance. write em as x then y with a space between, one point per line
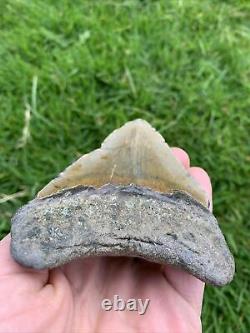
133 154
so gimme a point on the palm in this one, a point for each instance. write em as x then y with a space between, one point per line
68 299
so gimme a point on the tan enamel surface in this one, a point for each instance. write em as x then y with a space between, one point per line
134 153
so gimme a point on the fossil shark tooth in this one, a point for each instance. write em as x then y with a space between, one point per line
130 197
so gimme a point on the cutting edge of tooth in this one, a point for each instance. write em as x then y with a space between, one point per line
61 181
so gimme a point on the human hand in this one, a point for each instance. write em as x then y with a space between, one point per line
68 298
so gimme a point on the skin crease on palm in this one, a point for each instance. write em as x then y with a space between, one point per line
68 298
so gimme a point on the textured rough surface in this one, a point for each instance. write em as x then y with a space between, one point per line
122 220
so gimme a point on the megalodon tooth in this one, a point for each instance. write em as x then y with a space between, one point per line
130 197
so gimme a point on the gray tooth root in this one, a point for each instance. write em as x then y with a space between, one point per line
122 220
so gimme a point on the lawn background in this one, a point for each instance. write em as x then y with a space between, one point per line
72 71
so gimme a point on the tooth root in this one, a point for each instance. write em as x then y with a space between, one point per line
116 220
134 153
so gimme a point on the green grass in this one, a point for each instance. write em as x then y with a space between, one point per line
83 68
